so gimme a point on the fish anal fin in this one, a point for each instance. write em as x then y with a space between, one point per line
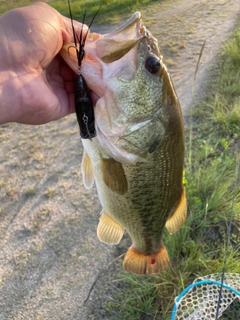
114 176
140 263
176 220
108 230
87 171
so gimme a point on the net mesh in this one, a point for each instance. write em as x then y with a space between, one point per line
201 300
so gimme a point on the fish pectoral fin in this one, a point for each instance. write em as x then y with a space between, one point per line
176 220
140 263
108 230
114 176
87 171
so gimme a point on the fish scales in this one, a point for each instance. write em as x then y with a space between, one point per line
136 160
145 208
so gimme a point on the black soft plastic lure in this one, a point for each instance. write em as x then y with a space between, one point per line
83 103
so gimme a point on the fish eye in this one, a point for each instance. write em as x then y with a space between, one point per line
152 64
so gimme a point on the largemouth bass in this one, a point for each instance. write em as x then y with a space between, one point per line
137 157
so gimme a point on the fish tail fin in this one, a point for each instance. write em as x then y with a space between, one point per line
176 220
108 230
140 263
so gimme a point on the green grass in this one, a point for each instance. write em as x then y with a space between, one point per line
7 5
198 249
117 8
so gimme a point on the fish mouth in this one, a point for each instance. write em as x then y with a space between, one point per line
133 31
133 25
111 46
104 49
120 41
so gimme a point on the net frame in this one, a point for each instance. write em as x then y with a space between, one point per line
200 299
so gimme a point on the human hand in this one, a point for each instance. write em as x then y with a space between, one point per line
36 85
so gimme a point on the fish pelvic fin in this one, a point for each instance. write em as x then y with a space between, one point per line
114 176
108 230
176 220
87 171
140 263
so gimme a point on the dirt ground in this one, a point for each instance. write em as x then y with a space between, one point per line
50 257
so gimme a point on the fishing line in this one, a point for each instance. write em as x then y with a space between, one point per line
228 237
99 275
191 107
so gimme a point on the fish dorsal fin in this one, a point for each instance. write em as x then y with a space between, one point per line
176 220
87 171
108 230
114 176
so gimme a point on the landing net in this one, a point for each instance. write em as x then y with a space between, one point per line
200 300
